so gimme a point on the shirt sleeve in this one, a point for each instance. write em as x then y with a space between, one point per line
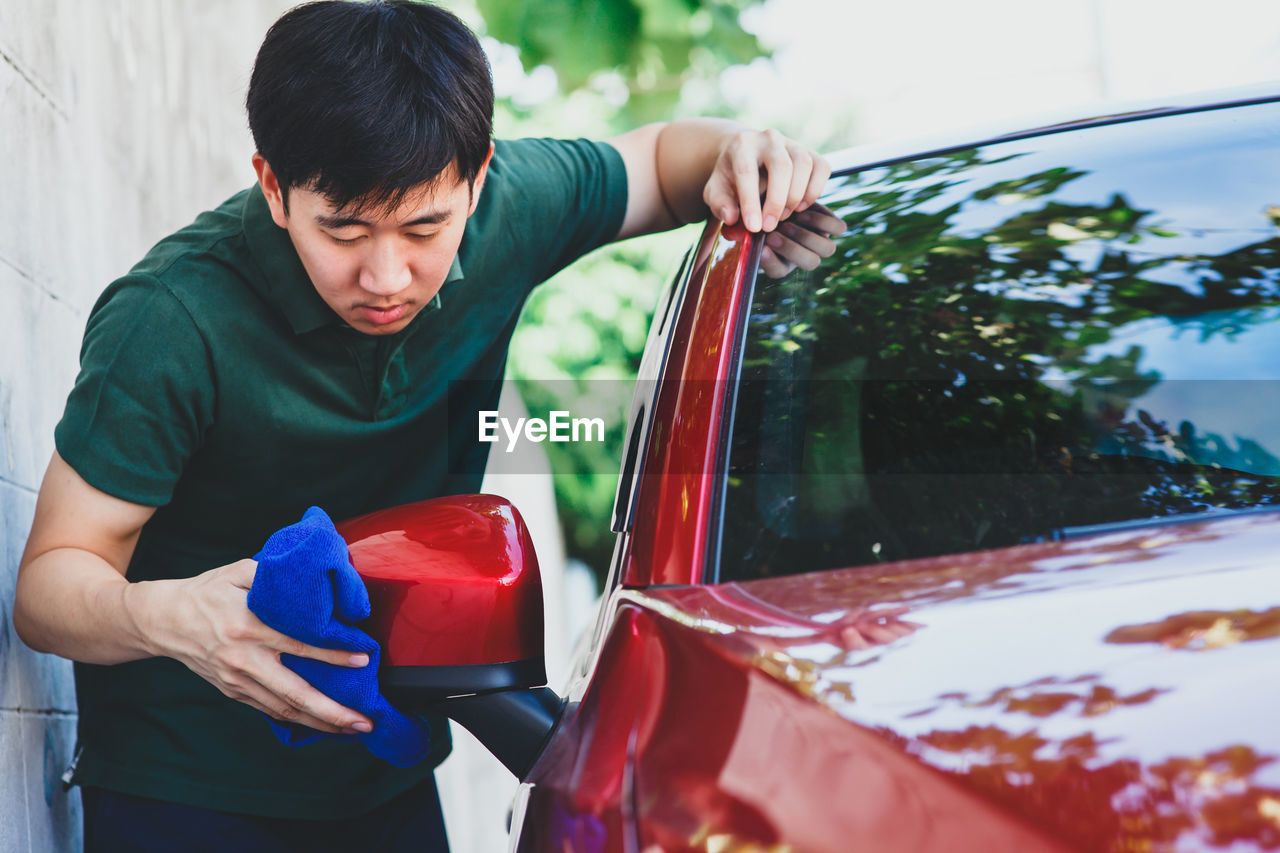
145 394
559 198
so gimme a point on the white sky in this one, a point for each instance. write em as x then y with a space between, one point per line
850 71
910 69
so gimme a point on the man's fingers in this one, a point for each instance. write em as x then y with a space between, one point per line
262 681
762 179
283 712
822 220
789 250
854 639
721 201
746 188
338 657
241 573
799 243
773 266
820 172
801 170
816 242
253 693
258 706
778 167
293 699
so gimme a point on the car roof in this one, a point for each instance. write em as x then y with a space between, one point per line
1104 112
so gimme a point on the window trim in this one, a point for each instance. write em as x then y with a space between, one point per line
715 524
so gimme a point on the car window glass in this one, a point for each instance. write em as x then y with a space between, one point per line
1015 342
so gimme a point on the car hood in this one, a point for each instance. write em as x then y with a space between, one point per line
1118 689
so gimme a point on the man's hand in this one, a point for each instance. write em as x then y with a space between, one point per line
73 600
685 170
802 241
862 628
754 163
205 623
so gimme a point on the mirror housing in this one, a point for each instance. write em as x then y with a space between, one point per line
456 595
457 608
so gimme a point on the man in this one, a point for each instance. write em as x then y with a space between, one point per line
302 344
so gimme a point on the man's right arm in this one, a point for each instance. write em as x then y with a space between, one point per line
74 600
72 597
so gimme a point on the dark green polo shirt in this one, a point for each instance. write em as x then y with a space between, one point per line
217 385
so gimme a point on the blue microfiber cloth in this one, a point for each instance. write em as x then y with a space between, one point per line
306 587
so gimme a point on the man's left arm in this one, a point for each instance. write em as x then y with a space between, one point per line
685 170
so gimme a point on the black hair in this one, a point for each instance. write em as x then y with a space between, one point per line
364 101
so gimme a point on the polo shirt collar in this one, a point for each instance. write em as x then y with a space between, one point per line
284 281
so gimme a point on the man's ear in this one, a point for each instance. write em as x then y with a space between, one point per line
271 190
478 183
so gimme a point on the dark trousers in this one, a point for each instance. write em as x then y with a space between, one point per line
121 823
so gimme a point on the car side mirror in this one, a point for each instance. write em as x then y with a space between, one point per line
457 608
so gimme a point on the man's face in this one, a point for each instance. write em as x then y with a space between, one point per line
377 269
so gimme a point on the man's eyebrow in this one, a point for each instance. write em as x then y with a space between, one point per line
435 217
343 220
338 220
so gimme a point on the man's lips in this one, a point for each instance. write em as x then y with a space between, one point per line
383 316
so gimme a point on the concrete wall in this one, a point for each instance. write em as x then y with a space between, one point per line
119 121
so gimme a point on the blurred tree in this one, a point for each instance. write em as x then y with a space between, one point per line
577 349
651 47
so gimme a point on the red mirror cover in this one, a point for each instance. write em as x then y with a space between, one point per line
453 581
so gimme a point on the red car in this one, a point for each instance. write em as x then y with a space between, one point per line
962 540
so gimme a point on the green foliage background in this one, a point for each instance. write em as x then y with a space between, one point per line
618 64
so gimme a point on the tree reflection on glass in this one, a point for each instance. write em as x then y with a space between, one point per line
1003 348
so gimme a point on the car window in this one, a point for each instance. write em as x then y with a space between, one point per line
1015 342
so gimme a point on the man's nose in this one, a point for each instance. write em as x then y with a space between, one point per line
385 271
